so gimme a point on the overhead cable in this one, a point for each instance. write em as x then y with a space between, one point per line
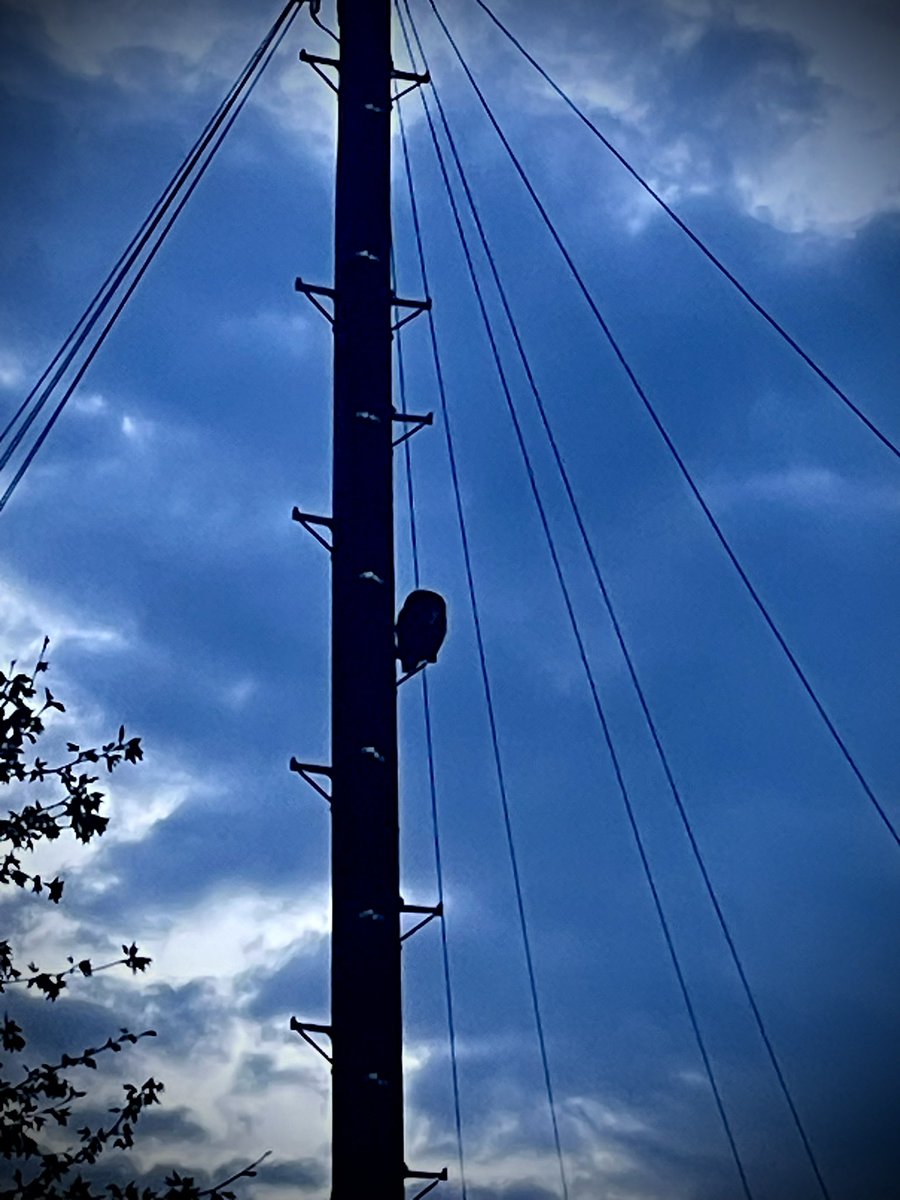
663 432
694 237
432 786
620 637
129 254
576 629
209 142
486 685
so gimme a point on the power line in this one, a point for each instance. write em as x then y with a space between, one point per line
582 651
219 124
486 683
128 256
694 237
657 421
432 784
607 600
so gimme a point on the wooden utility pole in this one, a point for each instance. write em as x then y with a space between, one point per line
367 1103
366 1017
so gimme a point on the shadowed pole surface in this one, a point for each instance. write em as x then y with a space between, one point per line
367 1104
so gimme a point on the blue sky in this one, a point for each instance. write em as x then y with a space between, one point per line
152 541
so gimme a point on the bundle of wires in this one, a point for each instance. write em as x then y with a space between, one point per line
30 425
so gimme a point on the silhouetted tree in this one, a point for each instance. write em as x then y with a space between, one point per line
37 1104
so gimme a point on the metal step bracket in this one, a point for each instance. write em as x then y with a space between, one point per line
317 62
312 291
429 912
309 521
418 421
410 674
436 1177
308 771
412 79
417 306
305 1028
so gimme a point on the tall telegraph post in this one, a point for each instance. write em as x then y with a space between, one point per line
367 1095
366 1017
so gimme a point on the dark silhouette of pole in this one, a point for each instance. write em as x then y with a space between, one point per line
366 1029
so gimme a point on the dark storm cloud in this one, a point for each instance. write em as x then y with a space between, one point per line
196 849
756 102
177 1124
119 1167
300 986
305 1174
512 1191
156 1124
69 1024
258 1071
754 87
185 1016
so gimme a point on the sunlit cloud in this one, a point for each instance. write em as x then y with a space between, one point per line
227 934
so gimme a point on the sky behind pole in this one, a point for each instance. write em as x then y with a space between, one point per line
152 540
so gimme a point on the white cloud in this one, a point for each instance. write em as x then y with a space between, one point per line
300 104
276 329
26 617
693 1078
228 943
227 934
12 370
811 487
864 65
840 166
285 1111
170 51
96 38
136 429
249 1082
239 693
89 404
595 1157
136 802
596 1115
792 107
806 136
608 1149
845 166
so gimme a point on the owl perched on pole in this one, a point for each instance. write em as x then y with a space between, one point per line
421 628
